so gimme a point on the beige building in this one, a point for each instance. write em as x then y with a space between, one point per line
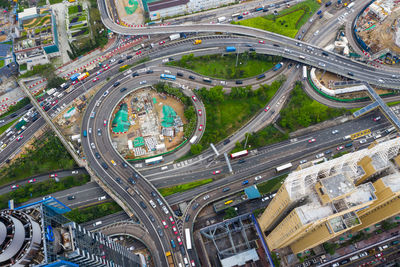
320 202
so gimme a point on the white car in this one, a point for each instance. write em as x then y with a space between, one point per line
143 82
362 141
264 199
165 210
257 178
74 172
206 197
320 155
92 145
335 131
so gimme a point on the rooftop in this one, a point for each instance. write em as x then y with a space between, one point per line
337 185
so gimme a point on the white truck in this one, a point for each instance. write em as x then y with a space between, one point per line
174 36
51 91
193 139
350 5
221 19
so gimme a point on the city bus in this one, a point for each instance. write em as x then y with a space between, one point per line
207 80
154 160
188 239
235 15
239 154
304 73
284 167
168 77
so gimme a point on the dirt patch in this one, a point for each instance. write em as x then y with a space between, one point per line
382 34
130 11
145 115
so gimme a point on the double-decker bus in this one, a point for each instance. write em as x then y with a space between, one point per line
239 154
167 77
154 160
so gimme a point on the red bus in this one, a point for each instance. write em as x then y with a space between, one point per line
239 154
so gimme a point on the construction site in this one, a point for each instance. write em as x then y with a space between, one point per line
378 30
146 123
131 12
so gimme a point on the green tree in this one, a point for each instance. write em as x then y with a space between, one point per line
230 213
196 149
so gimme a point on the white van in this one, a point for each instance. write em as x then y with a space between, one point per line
185 260
167 71
164 168
97 223
377 136
152 204
102 198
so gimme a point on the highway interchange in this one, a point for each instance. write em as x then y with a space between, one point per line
260 161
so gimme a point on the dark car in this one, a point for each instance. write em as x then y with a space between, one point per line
187 218
131 180
227 141
120 61
71 197
13 115
151 218
118 180
143 205
239 82
97 155
192 77
123 89
252 49
153 194
195 206
135 74
226 189
276 45
159 230
179 74
124 164
129 57
116 84
149 71
105 166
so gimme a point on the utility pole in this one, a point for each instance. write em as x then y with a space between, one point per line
237 57
245 143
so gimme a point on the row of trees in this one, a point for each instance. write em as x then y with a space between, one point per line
93 212
46 154
302 111
29 191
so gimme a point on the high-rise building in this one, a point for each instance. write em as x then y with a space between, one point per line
39 235
319 202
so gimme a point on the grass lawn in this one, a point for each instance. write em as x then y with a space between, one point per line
233 111
46 154
2 63
166 191
271 185
29 191
268 135
6 126
287 22
391 104
302 111
52 2
223 66
94 212
72 9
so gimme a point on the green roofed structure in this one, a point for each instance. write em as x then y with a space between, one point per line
169 116
120 124
138 141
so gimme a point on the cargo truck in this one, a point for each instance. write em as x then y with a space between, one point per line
221 19
174 36
197 42
277 66
230 49
169 258
75 76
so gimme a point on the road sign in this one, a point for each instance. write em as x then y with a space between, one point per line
360 134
